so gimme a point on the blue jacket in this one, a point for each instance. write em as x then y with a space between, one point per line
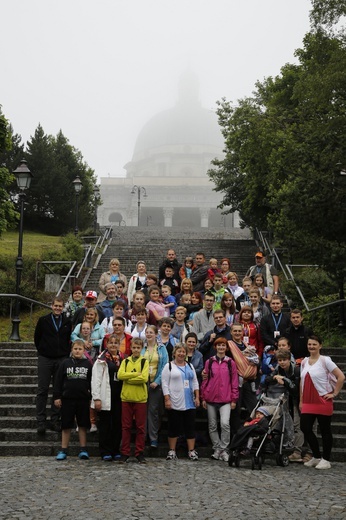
163 360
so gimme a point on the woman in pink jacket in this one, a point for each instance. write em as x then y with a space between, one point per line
220 393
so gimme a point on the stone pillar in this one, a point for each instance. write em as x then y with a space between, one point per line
236 220
168 214
132 217
204 212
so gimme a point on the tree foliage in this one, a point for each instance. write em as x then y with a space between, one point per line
7 211
284 146
55 163
327 12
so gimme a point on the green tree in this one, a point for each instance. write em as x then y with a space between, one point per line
8 214
327 12
284 147
51 198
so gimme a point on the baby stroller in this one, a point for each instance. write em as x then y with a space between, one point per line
268 436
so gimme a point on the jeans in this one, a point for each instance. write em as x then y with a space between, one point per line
222 441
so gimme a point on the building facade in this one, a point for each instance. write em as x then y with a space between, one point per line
171 157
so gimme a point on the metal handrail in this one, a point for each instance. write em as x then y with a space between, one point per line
24 298
86 255
290 277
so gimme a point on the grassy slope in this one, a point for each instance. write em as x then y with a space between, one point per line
34 245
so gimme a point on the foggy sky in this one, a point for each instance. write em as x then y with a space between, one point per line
98 70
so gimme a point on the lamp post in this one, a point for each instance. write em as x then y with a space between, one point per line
23 177
77 183
139 189
96 200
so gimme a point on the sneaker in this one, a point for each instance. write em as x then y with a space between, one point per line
107 458
307 457
312 463
323 464
117 457
171 455
123 459
216 454
296 456
83 455
93 428
193 455
141 459
224 456
154 444
61 455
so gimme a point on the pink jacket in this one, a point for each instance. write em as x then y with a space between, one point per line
222 383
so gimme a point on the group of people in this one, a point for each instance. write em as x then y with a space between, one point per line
191 336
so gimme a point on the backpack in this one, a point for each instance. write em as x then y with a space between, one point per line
143 360
211 361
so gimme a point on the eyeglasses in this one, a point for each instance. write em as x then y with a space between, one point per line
218 317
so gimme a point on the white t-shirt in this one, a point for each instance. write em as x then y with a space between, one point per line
318 373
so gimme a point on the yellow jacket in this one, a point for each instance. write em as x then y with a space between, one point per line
134 379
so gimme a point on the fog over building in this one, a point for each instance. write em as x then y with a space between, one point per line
171 157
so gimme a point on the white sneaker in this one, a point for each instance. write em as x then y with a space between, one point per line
193 455
216 454
93 428
224 456
312 463
323 464
171 455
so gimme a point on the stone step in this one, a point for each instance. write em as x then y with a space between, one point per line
50 448
13 389
18 361
6 370
12 379
20 399
8 352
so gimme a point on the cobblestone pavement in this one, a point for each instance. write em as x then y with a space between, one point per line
41 488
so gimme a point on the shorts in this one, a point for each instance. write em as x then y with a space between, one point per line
75 408
182 422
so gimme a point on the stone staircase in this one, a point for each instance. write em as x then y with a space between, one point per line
131 244
18 384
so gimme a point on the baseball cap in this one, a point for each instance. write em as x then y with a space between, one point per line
259 254
91 294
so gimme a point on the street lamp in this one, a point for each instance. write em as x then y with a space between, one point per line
23 177
139 189
77 183
96 200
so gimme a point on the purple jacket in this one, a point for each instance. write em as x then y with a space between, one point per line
222 383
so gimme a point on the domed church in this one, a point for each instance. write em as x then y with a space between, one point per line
166 181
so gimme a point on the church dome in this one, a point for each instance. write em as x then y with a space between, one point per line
187 123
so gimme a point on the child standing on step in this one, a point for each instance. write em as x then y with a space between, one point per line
72 393
134 372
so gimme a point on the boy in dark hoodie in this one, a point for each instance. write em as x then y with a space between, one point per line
72 393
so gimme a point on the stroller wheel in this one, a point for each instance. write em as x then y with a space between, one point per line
282 460
237 461
253 462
